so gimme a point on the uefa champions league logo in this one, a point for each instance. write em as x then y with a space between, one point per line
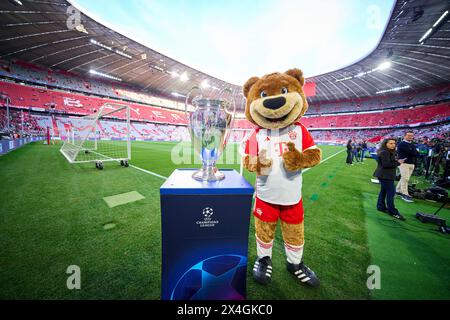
207 222
208 212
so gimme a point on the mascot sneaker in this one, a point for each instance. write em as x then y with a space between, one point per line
262 270
304 274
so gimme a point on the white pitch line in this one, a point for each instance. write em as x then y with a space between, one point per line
149 172
137 168
333 155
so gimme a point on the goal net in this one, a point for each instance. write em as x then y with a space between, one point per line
99 137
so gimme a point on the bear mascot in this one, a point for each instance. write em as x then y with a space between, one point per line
277 151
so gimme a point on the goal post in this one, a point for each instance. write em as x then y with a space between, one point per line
100 137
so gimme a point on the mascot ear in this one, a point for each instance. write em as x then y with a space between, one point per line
297 74
247 86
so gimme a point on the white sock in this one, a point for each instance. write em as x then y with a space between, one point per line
263 249
294 254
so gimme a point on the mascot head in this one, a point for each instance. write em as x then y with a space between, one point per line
276 100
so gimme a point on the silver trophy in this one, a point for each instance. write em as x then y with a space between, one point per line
209 126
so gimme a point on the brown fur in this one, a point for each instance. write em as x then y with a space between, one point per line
250 82
293 234
272 84
258 164
295 160
297 74
265 231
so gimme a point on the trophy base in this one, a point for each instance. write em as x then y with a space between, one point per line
208 174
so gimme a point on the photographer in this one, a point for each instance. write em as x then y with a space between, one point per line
406 150
385 172
438 154
421 163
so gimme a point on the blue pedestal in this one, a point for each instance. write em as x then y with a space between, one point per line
205 237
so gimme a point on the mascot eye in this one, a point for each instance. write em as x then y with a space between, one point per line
284 90
263 94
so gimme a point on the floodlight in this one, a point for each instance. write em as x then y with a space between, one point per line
385 65
184 77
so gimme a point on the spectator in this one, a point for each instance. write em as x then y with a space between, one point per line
407 151
385 172
363 150
349 152
359 152
355 152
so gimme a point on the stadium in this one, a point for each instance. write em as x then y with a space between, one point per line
93 123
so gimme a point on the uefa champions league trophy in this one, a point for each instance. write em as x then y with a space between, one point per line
209 126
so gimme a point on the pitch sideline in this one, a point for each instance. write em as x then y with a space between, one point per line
148 172
165 178
328 158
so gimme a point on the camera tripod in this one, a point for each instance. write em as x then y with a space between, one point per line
433 218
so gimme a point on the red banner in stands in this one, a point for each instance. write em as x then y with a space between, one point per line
310 89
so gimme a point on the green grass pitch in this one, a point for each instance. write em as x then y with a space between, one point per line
53 215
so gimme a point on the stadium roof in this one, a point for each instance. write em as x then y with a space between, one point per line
415 44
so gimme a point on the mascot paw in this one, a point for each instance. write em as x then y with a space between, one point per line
304 274
292 158
251 163
262 270
263 160
264 163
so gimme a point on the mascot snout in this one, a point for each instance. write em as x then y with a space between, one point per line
274 103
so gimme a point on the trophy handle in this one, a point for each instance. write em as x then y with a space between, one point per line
188 96
232 102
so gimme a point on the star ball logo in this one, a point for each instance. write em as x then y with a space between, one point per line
207 221
208 212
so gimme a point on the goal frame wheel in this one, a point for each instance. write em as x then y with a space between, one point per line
99 165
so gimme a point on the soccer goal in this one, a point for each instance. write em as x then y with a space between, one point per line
99 137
